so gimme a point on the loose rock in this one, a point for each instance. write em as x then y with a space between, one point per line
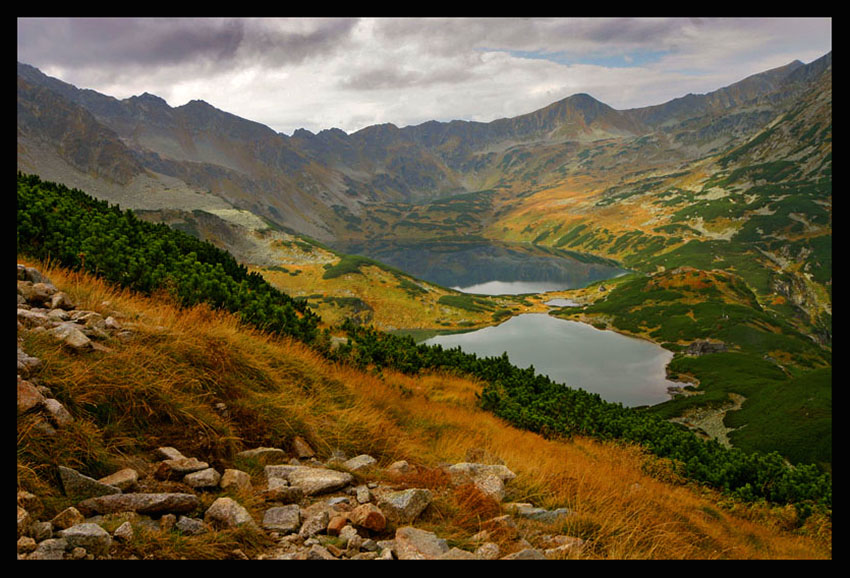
302 449
92 537
368 516
465 472
319 553
183 466
67 518
77 485
336 524
29 398
124 532
312 481
284 519
399 467
228 513
404 506
488 551
60 300
208 478
266 455
190 526
59 415
68 334
362 494
457 554
50 549
169 453
124 479
360 462
142 503
491 485
415 544
315 524
526 510
235 478
41 531
31 319
526 554
26 545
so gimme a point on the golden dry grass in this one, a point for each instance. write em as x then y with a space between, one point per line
392 307
161 388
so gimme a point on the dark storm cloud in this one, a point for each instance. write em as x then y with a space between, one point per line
139 42
119 41
274 44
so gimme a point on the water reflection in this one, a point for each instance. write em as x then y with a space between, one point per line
470 264
619 368
512 287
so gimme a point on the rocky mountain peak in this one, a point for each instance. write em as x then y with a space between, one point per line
148 97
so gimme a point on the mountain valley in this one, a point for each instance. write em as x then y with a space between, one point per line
703 224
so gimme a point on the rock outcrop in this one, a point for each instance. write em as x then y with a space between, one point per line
698 348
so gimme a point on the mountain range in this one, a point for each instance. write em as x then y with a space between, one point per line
145 154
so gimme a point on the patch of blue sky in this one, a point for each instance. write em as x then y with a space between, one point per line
624 60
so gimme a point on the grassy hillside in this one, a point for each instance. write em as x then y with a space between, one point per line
784 377
67 225
352 287
162 387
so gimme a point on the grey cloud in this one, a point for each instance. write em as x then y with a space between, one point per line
82 42
275 43
378 78
633 31
136 42
446 36
576 35
393 78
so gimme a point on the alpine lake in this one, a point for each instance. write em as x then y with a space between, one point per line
621 369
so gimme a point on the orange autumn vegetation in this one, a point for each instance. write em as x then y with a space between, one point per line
161 388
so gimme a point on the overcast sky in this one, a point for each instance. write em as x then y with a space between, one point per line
348 73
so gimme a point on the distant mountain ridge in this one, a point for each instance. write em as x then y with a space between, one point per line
739 93
318 183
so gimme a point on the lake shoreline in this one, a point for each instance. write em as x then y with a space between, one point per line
621 368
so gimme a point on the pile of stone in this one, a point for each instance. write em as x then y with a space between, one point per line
313 510
42 307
